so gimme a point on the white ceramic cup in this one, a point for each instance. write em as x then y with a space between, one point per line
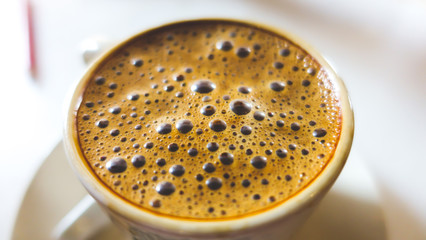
278 223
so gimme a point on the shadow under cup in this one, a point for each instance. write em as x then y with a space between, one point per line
277 223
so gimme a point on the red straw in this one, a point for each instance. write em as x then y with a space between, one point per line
32 66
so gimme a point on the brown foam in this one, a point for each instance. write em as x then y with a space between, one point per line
153 87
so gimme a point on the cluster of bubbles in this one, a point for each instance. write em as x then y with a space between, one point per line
241 103
238 107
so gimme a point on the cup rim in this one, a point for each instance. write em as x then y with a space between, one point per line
315 190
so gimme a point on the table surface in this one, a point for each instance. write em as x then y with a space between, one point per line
378 47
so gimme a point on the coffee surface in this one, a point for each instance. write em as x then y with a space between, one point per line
208 120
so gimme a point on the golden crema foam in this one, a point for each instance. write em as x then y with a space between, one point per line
208 120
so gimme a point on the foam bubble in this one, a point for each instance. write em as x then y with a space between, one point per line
138 161
214 183
165 188
226 158
177 170
240 107
277 86
259 162
217 125
209 167
116 165
208 110
224 46
243 52
164 128
212 146
184 126
244 89
259 116
319 132
203 86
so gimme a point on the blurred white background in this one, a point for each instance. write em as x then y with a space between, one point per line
378 47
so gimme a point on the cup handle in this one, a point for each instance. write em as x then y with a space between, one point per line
85 219
92 47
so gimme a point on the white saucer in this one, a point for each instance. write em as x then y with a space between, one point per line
350 211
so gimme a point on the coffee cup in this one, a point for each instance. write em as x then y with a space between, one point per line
124 118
